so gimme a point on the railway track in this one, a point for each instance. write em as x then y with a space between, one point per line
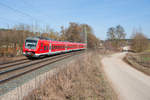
14 61
14 70
11 64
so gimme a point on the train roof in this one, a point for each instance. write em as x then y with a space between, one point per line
40 38
43 38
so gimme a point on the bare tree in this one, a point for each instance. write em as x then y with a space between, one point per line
116 36
76 33
120 33
62 32
73 32
111 33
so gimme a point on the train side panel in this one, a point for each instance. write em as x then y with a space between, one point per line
48 47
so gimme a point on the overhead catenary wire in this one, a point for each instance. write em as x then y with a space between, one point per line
10 20
35 21
18 11
30 6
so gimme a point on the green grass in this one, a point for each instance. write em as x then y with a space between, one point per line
145 59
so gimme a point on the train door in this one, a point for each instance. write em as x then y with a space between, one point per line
50 47
66 47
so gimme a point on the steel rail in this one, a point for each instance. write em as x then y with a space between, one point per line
27 65
13 61
16 63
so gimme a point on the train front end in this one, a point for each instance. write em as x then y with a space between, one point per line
30 47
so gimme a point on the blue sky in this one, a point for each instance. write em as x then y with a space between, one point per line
99 14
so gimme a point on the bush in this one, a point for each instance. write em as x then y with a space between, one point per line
139 43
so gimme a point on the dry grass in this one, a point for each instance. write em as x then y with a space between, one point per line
139 61
81 79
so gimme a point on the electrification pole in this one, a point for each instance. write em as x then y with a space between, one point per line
85 32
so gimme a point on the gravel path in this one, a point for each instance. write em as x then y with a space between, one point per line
129 83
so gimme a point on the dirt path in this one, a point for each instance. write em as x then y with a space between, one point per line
129 83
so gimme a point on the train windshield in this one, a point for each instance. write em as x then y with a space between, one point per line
31 44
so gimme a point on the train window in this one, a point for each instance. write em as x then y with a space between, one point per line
47 47
44 47
41 44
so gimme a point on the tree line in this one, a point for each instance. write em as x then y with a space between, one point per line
116 38
11 40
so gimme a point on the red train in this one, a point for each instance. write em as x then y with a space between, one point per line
38 46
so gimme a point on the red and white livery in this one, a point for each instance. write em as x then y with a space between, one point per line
38 46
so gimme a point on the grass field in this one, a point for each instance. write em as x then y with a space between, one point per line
139 61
